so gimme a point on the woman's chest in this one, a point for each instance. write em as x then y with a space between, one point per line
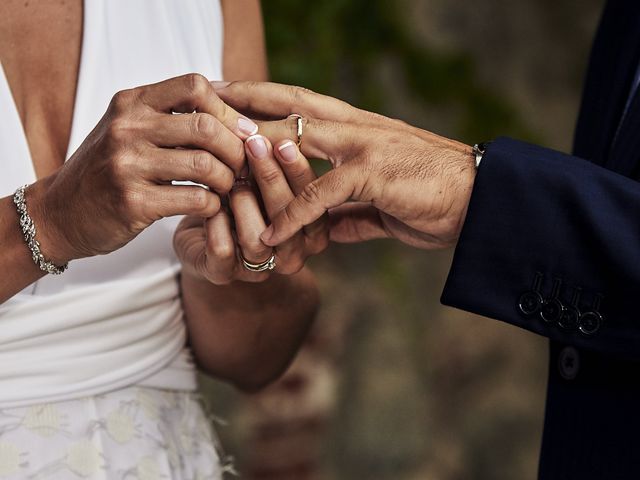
40 45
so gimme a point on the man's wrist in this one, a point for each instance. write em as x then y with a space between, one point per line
464 188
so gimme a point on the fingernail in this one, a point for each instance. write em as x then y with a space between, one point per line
246 126
244 173
218 85
257 146
288 151
267 235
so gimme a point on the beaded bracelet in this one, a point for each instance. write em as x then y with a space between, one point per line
29 232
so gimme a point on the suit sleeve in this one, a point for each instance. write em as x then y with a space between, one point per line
561 227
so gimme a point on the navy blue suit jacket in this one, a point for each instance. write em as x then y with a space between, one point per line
567 227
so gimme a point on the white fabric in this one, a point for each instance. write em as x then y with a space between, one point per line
133 433
114 320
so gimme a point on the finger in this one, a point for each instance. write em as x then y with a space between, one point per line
170 200
322 139
272 183
222 258
299 174
197 166
193 92
199 130
355 222
332 189
249 224
295 166
273 100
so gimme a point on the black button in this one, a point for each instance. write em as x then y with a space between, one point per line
569 318
530 302
551 310
590 322
569 363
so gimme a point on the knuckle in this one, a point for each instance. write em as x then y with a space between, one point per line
130 202
117 169
320 243
197 84
292 266
226 178
221 179
251 103
203 125
119 130
298 174
236 150
198 198
270 176
300 95
201 164
223 251
124 99
311 193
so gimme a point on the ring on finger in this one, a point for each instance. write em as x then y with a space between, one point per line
265 266
299 126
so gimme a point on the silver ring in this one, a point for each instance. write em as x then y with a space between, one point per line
300 126
265 266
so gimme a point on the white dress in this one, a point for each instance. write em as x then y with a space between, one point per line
96 381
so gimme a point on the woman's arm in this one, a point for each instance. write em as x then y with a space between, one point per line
247 333
99 178
246 326
18 269
245 55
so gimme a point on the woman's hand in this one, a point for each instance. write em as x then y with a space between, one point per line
407 183
119 181
213 248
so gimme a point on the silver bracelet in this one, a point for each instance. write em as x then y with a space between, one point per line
29 232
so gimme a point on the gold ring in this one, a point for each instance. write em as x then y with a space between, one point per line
267 265
300 126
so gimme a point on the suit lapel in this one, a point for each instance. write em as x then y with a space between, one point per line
612 68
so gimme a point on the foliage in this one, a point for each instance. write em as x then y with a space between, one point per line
337 47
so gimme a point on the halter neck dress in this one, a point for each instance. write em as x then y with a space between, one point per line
96 381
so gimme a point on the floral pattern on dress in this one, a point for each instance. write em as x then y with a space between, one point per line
135 433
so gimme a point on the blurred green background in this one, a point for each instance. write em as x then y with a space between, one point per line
392 385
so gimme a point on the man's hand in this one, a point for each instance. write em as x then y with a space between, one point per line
213 248
389 178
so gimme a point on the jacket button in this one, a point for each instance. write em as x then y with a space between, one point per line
569 318
552 307
590 323
551 310
530 302
569 363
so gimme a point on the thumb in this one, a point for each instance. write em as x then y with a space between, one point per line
330 190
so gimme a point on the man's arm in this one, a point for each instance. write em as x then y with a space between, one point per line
539 214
